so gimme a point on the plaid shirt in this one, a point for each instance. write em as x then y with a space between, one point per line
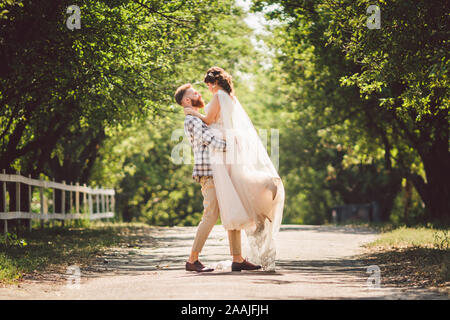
201 137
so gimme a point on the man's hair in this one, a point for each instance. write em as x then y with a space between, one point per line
179 94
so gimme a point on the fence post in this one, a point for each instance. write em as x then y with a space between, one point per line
63 207
30 198
85 204
97 202
41 199
54 203
91 206
71 204
18 202
77 199
107 205
5 226
18 195
103 203
113 203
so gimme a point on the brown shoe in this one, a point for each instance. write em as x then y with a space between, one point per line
244 265
197 266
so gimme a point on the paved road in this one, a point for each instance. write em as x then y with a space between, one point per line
314 262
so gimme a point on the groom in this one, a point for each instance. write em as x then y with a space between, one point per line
201 138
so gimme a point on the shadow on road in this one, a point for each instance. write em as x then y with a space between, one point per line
332 273
328 229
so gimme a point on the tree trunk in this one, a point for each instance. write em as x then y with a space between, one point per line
407 200
2 207
435 192
430 138
24 205
437 187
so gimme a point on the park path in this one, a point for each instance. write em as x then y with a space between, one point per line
314 262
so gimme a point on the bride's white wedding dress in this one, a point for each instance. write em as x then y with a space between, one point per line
249 190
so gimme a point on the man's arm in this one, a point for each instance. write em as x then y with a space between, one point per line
198 131
209 117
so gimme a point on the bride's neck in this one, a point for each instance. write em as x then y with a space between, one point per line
220 88
216 89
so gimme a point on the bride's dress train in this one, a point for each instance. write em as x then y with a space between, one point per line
249 191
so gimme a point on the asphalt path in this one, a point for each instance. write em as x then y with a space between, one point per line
313 262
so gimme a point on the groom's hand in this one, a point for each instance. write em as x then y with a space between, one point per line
186 109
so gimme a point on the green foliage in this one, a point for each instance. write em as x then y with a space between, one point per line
56 248
150 186
367 96
59 89
416 256
11 239
362 114
136 159
442 239
404 237
405 67
87 95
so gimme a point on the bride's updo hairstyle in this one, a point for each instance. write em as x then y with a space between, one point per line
222 77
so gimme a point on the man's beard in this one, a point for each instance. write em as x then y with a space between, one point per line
199 103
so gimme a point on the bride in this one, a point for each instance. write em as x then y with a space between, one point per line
249 190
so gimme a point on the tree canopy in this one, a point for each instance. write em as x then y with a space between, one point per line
383 93
361 114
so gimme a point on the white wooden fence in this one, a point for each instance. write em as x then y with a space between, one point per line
103 198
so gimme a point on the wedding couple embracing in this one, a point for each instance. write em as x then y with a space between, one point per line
238 180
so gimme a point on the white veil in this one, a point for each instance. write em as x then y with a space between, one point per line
249 190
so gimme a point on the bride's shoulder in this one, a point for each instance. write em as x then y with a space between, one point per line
219 94
223 93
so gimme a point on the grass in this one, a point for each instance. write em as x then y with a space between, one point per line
412 256
404 237
53 249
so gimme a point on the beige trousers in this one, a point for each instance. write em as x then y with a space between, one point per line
209 219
